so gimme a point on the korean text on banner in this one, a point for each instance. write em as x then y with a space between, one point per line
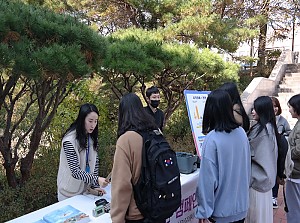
195 103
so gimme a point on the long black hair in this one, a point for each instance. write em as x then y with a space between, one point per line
79 126
218 113
263 106
232 90
132 115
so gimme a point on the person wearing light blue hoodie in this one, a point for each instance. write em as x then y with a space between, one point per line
224 178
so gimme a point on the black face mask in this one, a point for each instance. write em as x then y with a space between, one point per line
154 103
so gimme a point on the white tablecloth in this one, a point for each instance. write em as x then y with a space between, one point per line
86 203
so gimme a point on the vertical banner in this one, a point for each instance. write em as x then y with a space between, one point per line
195 103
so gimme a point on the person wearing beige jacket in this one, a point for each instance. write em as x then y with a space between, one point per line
128 159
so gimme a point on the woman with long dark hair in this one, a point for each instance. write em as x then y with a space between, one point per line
79 164
225 163
263 137
284 130
127 159
239 112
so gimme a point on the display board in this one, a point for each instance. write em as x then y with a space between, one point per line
195 103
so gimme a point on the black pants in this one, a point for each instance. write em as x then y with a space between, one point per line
239 221
275 190
134 221
140 221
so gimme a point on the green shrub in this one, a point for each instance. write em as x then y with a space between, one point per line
178 131
38 192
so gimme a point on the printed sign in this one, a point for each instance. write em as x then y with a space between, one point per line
195 103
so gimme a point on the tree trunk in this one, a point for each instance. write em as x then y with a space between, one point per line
9 164
262 40
27 161
26 164
42 121
251 55
262 50
10 172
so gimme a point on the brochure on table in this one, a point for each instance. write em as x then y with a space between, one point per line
195 103
65 214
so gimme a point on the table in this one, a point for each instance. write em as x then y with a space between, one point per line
86 203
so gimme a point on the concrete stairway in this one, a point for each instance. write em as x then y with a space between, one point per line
289 86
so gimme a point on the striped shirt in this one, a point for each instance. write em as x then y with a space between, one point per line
76 171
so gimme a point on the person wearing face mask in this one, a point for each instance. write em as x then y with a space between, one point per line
153 100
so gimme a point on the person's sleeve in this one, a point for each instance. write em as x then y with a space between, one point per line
205 192
282 150
73 164
121 187
287 128
295 151
162 121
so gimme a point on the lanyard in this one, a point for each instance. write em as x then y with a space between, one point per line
87 166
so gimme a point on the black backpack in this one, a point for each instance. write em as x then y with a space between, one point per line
158 191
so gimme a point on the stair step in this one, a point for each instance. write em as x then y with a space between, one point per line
291 77
291 82
292 70
286 85
288 89
292 74
285 95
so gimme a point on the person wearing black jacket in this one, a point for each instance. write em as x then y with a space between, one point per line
153 101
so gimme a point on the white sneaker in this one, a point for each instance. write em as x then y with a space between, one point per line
275 205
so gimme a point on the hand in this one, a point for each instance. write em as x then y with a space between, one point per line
280 181
102 181
100 191
97 191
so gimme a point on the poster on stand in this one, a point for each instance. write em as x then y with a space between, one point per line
195 103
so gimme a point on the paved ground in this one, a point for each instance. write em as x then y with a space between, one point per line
279 213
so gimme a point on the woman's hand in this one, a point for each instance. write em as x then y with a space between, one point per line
102 181
280 181
100 191
97 191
